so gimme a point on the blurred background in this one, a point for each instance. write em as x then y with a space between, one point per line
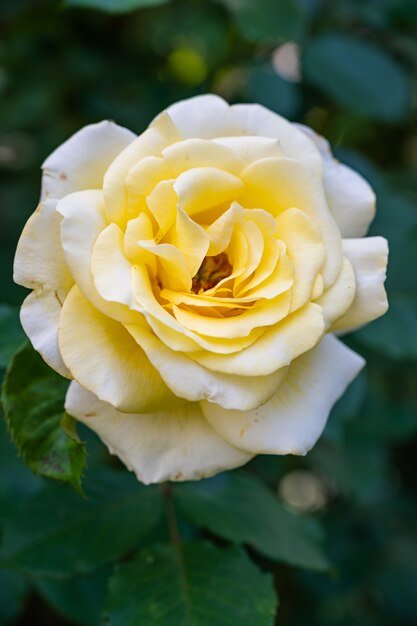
348 68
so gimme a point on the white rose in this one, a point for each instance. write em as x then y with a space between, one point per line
189 282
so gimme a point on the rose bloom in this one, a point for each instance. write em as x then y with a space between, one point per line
190 282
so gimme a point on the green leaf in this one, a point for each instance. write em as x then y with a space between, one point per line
359 76
79 599
194 584
266 87
13 593
115 6
57 532
274 20
33 399
11 333
239 508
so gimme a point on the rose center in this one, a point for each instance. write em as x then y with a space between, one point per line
212 270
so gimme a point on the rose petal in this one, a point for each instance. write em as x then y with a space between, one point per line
174 445
293 420
191 381
276 348
350 197
369 258
103 357
81 161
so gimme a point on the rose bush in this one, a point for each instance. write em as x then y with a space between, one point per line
190 281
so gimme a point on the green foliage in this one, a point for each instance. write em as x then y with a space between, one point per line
13 593
276 21
192 584
33 400
359 76
79 599
57 532
11 333
114 6
239 508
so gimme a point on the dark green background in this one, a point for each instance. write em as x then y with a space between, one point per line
62 67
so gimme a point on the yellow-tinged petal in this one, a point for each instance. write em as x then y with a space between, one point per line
276 348
281 184
192 153
139 228
172 267
369 258
306 251
191 239
162 202
111 270
294 418
151 143
251 148
221 230
102 356
140 181
264 313
177 444
156 313
82 223
339 297
280 280
191 381
204 187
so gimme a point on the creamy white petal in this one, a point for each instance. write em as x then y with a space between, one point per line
81 161
203 117
191 381
293 420
103 357
173 445
39 263
255 119
369 257
351 198
39 316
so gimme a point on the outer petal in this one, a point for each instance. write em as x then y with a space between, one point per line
351 198
191 381
102 356
293 420
369 258
83 222
203 117
39 316
80 162
40 265
255 119
174 445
